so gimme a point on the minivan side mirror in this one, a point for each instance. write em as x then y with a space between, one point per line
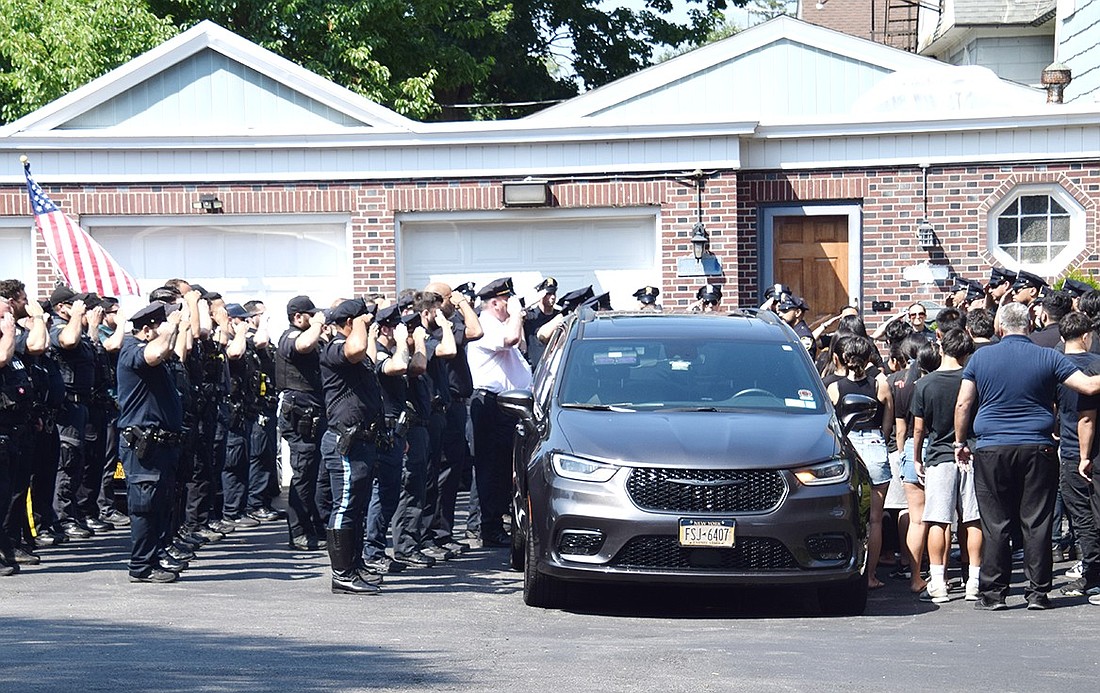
518 403
855 409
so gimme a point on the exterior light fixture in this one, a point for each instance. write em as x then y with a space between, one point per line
702 262
527 193
209 204
926 234
700 241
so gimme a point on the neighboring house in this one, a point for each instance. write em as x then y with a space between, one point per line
820 155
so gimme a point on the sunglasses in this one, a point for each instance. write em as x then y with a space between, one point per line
917 315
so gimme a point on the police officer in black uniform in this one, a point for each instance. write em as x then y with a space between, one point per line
353 406
263 483
31 340
302 421
465 327
16 407
538 315
392 360
647 298
75 354
241 418
150 422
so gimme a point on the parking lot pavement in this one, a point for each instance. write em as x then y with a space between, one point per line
252 615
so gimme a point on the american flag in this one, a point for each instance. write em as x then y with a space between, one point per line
85 264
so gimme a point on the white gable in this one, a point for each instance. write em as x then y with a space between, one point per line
784 69
211 92
209 80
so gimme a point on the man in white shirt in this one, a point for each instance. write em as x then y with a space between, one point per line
497 365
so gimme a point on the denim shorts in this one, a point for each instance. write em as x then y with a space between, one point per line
871 446
908 467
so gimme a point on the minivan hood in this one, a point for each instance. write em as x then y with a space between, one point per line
699 439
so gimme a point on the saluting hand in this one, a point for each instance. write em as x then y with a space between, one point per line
78 307
316 319
7 325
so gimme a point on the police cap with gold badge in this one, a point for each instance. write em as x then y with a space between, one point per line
549 285
498 288
647 294
601 302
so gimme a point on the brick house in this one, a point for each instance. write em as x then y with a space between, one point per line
809 156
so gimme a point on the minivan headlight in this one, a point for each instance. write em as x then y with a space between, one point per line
580 469
834 471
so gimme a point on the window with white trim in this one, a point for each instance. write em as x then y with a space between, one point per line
1039 228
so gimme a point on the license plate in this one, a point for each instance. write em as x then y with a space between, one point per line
712 533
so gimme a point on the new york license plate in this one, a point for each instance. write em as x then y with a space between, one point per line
711 533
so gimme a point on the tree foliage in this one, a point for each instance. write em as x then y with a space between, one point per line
430 58
423 58
50 47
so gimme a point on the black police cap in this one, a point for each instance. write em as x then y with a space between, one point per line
575 298
770 291
549 285
710 293
236 310
62 294
789 302
466 289
1076 287
388 316
498 288
974 291
151 315
999 275
959 285
1027 279
601 302
647 294
351 308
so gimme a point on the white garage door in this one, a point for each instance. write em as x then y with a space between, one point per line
17 252
614 250
265 258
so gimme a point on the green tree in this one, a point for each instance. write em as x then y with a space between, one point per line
50 47
422 57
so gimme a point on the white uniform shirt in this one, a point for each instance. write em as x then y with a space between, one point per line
494 366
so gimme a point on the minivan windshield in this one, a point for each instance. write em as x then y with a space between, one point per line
689 374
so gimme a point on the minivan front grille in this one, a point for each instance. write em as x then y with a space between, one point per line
750 554
706 490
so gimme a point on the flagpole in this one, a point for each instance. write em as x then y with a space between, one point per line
25 160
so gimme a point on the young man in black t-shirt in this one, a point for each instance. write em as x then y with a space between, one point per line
947 489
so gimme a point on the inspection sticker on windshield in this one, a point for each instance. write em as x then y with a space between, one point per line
707 533
805 394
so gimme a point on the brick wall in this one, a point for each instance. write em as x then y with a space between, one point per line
853 17
373 206
959 199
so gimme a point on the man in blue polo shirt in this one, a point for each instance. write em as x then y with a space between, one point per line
1013 384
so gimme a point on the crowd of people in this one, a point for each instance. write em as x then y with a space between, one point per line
985 432
388 407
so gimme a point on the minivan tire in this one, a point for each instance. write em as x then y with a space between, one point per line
539 590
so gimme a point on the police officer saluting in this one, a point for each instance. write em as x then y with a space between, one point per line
538 315
302 420
150 422
353 404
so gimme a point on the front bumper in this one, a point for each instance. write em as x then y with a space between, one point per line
784 546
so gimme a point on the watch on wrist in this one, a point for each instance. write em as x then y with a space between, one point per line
958 446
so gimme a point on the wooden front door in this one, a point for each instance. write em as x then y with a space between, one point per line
811 257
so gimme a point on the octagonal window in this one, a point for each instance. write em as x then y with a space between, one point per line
1040 228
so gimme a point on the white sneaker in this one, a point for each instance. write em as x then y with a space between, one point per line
935 592
972 590
1095 599
1076 570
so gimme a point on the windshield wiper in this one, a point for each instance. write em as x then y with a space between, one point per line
596 407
